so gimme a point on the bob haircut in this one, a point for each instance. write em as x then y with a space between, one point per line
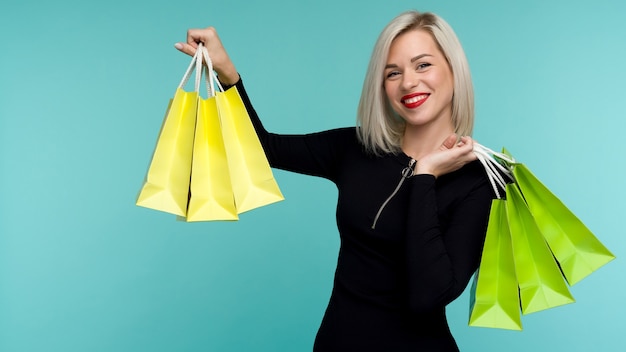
380 128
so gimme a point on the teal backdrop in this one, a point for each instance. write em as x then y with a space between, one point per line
84 87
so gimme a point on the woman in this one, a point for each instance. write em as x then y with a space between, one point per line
413 201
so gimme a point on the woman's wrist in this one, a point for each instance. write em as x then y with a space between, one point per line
228 75
423 169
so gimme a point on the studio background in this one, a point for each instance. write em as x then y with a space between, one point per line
84 87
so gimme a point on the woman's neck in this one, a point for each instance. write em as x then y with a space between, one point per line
418 141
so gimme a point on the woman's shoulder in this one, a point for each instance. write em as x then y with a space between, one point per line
469 178
339 137
340 132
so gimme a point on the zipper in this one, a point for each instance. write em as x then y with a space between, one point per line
406 173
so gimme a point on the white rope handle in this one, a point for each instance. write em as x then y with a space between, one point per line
209 74
490 161
501 156
196 62
493 164
207 68
494 177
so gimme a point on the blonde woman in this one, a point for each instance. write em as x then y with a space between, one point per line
413 202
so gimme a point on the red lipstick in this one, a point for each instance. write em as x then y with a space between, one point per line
414 100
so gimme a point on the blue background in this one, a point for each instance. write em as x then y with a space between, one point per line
84 86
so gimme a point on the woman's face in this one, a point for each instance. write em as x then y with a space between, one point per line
418 80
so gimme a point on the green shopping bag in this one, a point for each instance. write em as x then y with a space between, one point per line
543 232
540 281
494 297
577 250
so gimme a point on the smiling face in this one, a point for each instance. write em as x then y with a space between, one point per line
418 81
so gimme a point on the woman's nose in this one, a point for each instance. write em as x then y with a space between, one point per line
410 80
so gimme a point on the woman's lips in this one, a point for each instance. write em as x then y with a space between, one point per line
412 101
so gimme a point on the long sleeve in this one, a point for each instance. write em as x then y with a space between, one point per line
444 251
316 154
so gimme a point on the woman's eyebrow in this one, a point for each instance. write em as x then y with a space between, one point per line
418 57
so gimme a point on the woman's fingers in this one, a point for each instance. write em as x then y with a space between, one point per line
185 48
451 156
466 148
450 141
226 71
470 149
207 36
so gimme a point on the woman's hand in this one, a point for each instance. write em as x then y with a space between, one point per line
449 157
222 64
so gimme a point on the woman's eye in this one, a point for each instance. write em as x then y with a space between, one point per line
423 66
392 74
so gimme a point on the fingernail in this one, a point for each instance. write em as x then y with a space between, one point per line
178 46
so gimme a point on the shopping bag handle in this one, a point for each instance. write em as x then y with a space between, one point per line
201 68
495 164
209 74
196 62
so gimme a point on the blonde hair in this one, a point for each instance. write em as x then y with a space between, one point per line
380 129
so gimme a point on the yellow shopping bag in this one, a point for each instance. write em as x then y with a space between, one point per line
253 182
211 193
209 163
166 186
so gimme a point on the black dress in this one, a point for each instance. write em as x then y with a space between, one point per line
393 280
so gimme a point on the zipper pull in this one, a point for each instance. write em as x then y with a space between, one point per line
406 173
